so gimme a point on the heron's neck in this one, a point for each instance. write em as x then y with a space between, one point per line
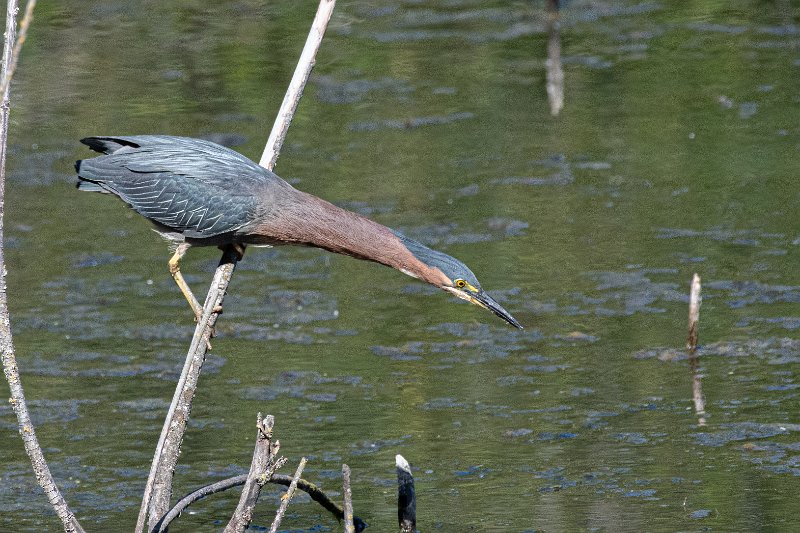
312 221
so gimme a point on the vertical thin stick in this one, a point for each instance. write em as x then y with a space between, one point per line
287 496
11 50
175 423
349 527
299 79
694 314
691 345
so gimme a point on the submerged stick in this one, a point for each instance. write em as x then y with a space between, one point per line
287 497
157 493
691 345
11 50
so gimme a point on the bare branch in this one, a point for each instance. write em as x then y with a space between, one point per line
158 489
287 497
264 464
10 63
298 83
11 50
348 500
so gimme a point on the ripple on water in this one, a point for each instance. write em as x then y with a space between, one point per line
742 431
333 91
46 412
410 122
307 385
162 365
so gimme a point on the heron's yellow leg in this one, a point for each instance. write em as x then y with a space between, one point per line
175 270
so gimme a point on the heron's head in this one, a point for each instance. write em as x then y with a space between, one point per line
456 278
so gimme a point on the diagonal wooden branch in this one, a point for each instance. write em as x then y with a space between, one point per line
287 497
263 466
11 50
158 490
298 83
169 444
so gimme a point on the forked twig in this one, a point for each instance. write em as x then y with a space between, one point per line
158 490
11 51
265 463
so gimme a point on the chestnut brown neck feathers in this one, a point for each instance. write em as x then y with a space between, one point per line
311 221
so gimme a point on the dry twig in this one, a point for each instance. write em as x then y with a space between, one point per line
287 497
11 50
158 490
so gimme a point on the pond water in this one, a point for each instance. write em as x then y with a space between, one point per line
676 152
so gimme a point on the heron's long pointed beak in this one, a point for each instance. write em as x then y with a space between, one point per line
482 299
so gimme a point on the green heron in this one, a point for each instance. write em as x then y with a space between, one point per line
198 193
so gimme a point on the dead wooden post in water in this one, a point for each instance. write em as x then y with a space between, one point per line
406 497
691 345
553 66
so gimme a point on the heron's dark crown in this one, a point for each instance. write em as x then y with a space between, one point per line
450 266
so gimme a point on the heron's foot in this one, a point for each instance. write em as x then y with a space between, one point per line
237 247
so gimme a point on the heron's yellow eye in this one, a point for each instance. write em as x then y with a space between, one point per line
460 283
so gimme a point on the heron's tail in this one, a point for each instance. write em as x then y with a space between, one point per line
85 184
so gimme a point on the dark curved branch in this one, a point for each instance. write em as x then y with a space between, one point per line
309 488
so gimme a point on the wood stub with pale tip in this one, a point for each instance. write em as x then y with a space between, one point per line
406 497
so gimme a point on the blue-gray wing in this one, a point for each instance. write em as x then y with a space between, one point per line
194 187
